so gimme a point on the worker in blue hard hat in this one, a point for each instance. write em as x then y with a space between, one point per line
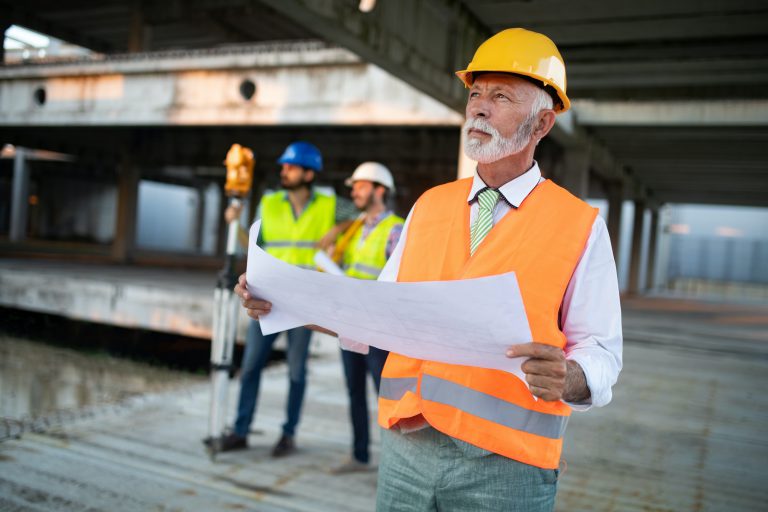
293 220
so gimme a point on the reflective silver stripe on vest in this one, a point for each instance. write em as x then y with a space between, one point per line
280 244
395 388
491 408
367 269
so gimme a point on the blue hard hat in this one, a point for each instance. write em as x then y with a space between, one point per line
304 154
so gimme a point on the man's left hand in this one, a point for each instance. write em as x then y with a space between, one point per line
549 375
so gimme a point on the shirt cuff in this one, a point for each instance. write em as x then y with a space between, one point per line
599 393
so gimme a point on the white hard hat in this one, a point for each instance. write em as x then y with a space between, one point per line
372 171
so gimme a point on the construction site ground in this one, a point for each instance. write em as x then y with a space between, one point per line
686 431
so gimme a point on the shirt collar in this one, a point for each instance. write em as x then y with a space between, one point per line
512 192
373 221
311 194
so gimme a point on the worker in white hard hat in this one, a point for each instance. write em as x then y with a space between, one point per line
460 437
363 250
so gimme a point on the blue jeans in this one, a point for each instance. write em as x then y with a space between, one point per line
430 471
257 351
356 369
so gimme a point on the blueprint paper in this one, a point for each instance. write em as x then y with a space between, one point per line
468 322
325 263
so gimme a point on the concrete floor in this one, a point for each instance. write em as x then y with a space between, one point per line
687 427
686 431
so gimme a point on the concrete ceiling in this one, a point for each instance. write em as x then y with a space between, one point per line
651 49
675 60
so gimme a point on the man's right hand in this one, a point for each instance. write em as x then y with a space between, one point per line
326 243
253 306
232 213
329 239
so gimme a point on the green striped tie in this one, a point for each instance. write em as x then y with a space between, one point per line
486 200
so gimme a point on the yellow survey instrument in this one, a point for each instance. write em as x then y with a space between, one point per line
239 164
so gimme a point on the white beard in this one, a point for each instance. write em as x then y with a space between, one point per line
499 146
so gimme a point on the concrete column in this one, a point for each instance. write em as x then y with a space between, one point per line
199 219
221 240
19 196
637 246
573 172
127 202
615 191
137 30
466 165
650 273
4 25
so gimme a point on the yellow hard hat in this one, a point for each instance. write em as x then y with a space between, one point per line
522 52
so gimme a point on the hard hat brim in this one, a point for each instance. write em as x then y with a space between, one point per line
564 104
349 182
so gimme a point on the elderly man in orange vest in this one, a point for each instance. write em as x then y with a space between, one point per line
466 438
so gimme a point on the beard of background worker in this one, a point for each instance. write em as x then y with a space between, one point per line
295 177
368 196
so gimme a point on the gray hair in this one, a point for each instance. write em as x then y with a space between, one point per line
541 101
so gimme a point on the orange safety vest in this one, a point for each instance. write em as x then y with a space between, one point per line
542 242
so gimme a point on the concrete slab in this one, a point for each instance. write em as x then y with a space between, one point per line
159 299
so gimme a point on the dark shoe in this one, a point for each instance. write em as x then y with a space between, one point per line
285 446
232 441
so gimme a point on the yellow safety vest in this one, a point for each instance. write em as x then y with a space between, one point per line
364 259
290 239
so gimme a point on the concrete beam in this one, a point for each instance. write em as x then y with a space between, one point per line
673 75
672 113
166 300
605 164
423 43
572 137
573 170
243 57
607 12
300 84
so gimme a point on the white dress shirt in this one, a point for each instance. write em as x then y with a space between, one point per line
590 314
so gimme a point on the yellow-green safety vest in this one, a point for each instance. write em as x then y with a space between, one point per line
364 260
290 239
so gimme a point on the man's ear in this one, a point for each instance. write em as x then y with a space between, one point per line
309 175
544 123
